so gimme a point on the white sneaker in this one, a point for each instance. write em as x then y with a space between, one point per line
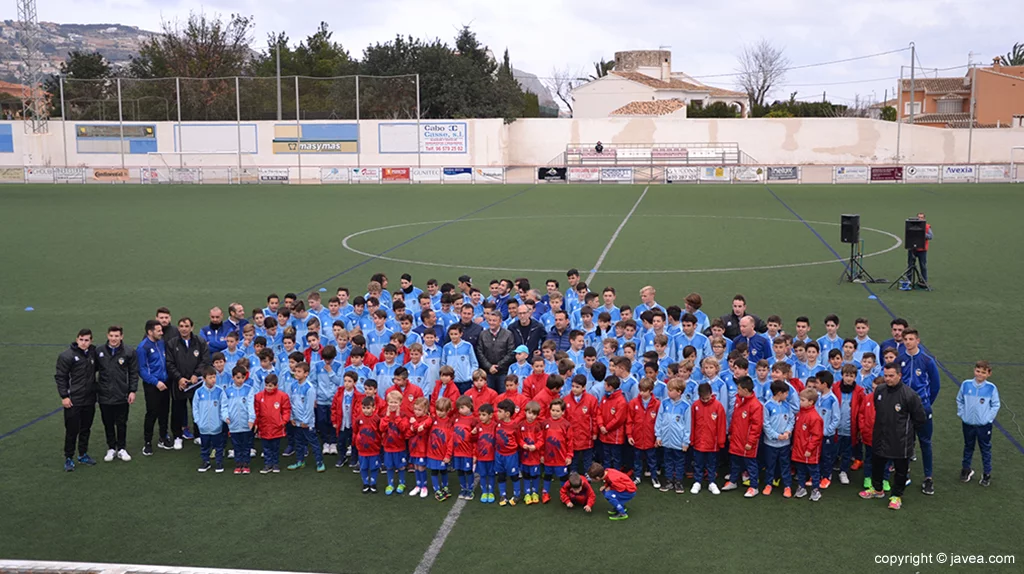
414 491
713 488
198 441
424 492
123 455
110 455
326 449
179 444
334 449
231 453
695 489
844 478
252 452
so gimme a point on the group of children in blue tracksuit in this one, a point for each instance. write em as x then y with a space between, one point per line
660 391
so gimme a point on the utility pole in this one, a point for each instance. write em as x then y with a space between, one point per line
913 94
970 126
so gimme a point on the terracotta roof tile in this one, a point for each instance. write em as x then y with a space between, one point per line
723 93
650 108
672 84
937 85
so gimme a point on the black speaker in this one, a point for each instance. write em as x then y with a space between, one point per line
850 228
914 234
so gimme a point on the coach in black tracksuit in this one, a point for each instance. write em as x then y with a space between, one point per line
186 356
76 384
118 381
898 412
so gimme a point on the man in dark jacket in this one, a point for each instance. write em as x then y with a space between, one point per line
495 350
163 315
117 383
470 330
76 384
560 332
527 331
732 320
898 412
186 357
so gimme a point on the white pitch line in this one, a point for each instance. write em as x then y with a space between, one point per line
430 556
607 248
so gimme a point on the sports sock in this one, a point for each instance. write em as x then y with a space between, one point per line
515 486
547 485
434 479
444 479
366 476
391 477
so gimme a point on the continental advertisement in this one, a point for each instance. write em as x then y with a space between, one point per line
109 174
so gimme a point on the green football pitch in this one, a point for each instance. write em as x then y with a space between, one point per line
92 256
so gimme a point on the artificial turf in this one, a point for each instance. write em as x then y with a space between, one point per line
90 256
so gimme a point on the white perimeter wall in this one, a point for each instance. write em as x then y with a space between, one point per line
537 142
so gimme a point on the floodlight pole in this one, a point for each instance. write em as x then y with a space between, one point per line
181 133
120 120
238 126
419 152
279 79
63 119
359 135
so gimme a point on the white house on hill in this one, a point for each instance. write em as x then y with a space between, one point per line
643 84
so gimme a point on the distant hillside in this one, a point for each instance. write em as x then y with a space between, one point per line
117 43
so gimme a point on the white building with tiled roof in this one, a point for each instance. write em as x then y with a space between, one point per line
643 84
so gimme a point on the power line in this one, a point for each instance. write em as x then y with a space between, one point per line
818 64
839 83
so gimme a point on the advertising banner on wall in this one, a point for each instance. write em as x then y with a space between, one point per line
551 173
919 172
993 173
69 174
313 138
426 174
718 173
394 174
852 173
617 174
489 175
682 174
426 137
333 175
110 174
12 174
747 173
39 174
887 174
364 174
958 172
452 174
584 174
273 174
784 173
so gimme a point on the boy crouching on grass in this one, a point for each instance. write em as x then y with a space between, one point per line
577 492
618 489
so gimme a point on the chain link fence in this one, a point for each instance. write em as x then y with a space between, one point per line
239 99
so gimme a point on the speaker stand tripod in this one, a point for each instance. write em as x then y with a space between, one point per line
911 277
853 271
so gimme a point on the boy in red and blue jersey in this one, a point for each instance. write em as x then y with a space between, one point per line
531 434
439 448
484 455
618 488
420 424
367 439
507 441
394 429
464 445
558 448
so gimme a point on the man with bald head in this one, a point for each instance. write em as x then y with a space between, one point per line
215 334
758 347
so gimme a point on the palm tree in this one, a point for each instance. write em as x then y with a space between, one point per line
602 68
1015 57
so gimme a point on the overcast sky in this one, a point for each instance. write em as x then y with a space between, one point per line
545 34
